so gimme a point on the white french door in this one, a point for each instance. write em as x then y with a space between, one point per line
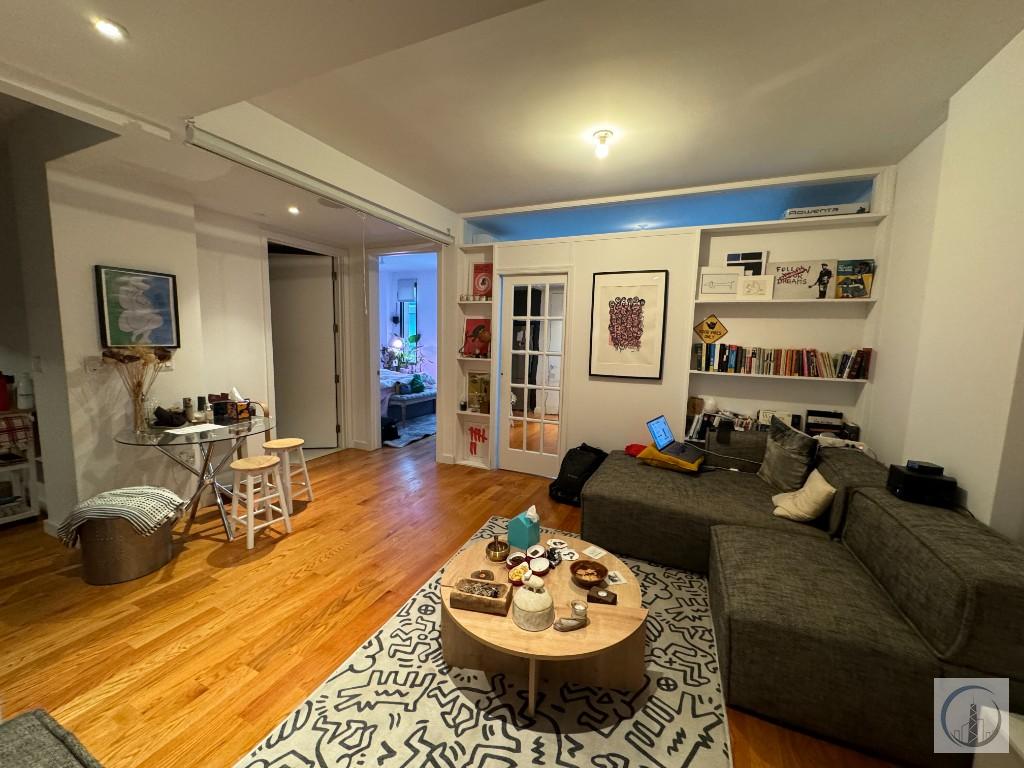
533 319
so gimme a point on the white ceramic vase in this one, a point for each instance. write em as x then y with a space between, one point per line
532 607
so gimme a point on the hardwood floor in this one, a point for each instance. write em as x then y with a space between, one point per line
193 664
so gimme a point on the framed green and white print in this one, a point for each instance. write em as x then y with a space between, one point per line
137 308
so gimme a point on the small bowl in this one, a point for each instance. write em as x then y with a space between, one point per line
599 572
517 574
536 551
497 550
540 565
515 559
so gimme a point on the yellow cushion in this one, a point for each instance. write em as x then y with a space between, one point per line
654 457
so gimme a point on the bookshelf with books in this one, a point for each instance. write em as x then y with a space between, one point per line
805 338
474 419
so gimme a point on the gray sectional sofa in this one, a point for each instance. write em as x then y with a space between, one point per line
837 628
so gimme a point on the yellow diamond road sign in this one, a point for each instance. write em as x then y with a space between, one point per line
710 329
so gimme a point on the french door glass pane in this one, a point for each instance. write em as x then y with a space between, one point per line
533 369
518 334
534 342
518 401
515 434
554 371
556 301
537 301
533 403
555 331
551 438
533 436
518 372
519 296
549 403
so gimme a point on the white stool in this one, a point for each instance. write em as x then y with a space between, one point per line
282 448
260 476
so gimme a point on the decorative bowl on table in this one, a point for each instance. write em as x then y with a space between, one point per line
540 566
515 559
517 574
587 573
497 550
536 551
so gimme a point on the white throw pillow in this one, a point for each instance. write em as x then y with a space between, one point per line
806 504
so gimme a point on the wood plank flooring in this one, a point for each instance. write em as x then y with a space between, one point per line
192 665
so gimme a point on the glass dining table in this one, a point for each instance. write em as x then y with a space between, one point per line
168 440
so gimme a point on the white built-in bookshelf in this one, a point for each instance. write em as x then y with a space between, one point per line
466 420
830 325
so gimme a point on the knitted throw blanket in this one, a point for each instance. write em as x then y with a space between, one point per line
145 507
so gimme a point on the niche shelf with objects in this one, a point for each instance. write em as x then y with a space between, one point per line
792 303
475 348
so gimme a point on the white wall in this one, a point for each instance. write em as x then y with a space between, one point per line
588 413
96 224
912 223
964 405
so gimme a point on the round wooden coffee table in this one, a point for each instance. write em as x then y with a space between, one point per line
609 652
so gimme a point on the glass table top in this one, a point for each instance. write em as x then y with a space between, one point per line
163 436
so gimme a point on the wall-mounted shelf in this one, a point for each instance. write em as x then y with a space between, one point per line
474 359
474 414
476 303
813 222
787 301
778 376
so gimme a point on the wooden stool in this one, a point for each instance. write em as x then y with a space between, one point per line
282 448
260 476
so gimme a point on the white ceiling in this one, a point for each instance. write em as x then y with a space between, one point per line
146 163
186 57
495 114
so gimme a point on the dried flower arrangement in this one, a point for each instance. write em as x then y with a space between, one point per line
138 368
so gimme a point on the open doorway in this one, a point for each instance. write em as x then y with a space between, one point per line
408 329
304 331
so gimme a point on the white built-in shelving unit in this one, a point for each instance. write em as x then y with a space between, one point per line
828 325
465 420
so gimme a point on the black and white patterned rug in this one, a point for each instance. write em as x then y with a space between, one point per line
395 703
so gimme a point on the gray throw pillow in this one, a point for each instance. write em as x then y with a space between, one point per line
788 456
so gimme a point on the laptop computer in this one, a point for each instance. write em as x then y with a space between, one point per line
665 442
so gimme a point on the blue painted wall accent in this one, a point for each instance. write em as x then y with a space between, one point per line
727 207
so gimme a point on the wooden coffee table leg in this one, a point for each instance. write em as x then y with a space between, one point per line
531 699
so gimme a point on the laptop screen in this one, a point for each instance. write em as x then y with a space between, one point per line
661 433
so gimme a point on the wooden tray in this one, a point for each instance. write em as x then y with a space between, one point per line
495 605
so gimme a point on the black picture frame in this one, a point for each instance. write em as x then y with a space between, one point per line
654 376
161 296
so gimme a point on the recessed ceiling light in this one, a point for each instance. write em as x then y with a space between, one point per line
293 210
110 29
602 139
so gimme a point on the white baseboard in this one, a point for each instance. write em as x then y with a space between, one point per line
445 458
361 445
50 527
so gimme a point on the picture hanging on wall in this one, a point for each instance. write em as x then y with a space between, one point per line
137 308
627 324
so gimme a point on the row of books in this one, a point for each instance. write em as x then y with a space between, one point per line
812 363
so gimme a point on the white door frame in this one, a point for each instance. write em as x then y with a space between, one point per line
336 254
373 256
545 272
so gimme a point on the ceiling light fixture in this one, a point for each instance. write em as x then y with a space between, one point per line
602 139
110 29
293 210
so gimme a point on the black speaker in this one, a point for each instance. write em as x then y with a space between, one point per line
936 490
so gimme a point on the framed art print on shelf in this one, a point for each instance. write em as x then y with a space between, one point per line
483 278
627 324
137 308
756 288
751 262
719 283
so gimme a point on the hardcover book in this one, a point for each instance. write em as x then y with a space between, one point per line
854 278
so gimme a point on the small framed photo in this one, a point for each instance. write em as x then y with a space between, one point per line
756 288
751 262
718 283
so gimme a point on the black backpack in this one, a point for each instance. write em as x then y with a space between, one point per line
577 467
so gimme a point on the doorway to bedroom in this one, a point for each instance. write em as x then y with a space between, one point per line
407 290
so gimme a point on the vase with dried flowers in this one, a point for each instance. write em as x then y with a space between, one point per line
138 368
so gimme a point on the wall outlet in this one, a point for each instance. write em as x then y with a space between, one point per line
94 364
169 365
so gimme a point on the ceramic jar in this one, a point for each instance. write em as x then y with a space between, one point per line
532 607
